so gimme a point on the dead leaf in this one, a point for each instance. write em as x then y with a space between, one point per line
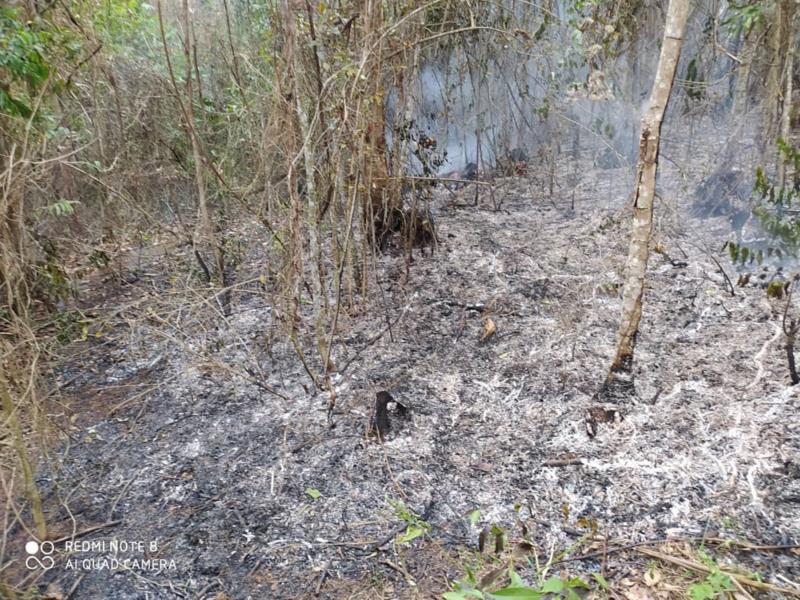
53 592
489 329
492 576
639 592
522 549
652 577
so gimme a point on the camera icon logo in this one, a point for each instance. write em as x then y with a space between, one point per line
40 555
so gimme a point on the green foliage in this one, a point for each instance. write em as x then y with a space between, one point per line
744 17
582 5
775 289
51 281
516 589
24 66
313 493
601 581
70 326
416 525
475 516
777 210
61 208
125 26
715 585
694 80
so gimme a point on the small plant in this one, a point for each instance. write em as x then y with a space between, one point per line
502 568
775 289
715 585
313 493
62 208
775 207
417 526
744 17
517 589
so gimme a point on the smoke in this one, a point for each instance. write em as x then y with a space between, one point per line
488 94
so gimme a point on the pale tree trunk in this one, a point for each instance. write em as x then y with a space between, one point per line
620 374
308 153
786 109
745 52
779 44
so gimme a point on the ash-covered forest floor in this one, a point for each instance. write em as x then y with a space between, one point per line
168 439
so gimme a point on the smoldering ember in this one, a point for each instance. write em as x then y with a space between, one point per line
363 299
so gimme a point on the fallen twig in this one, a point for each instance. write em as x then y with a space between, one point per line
563 462
695 566
87 531
401 570
703 540
725 275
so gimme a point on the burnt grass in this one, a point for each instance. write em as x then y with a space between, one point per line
171 436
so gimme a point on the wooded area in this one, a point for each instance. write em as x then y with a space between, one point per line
414 299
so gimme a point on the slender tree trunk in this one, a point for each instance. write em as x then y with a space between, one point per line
234 59
620 373
308 150
790 338
786 108
204 233
742 85
778 43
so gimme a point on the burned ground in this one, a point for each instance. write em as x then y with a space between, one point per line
176 438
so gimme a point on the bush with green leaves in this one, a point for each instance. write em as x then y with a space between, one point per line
715 585
417 526
517 589
778 211
27 52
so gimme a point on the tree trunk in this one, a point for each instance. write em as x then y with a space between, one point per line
620 374
307 137
786 108
204 234
779 44
382 207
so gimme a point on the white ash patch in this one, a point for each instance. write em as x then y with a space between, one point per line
710 442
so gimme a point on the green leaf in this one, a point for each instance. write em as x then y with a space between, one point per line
516 580
720 581
475 516
601 581
412 533
517 593
701 591
554 585
313 493
463 595
577 582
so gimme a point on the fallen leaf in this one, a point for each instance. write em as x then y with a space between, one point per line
639 593
53 592
652 577
489 329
